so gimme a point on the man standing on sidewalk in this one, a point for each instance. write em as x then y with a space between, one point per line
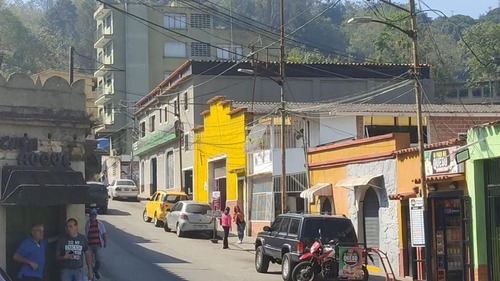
96 234
71 250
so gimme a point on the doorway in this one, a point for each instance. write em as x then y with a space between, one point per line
188 182
371 226
154 178
326 206
220 185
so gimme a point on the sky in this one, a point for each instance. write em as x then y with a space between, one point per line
473 8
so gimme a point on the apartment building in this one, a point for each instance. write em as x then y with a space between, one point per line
139 44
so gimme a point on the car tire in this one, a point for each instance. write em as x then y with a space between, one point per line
156 221
261 260
165 226
145 216
287 266
178 231
103 210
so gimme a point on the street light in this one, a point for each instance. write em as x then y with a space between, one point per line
412 33
281 83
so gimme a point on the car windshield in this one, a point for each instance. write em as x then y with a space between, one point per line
340 230
93 187
131 183
197 208
175 198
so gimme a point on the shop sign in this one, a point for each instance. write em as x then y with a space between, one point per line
216 200
442 161
417 222
351 263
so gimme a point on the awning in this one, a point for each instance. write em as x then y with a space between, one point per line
38 186
320 189
357 181
403 195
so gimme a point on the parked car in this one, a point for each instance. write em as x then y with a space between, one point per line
189 216
98 197
290 235
123 188
159 204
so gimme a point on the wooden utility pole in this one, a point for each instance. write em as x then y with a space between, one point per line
282 82
180 134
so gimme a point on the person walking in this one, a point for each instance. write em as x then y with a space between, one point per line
96 234
239 219
226 225
71 250
31 254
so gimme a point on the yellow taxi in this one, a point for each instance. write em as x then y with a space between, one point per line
159 204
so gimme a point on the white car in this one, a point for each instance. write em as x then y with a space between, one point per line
123 188
189 216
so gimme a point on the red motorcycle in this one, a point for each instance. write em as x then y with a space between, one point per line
321 258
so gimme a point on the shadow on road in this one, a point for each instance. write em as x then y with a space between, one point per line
114 212
126 259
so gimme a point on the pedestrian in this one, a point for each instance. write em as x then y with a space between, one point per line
226 225
31 254
96 234
71 249
239 219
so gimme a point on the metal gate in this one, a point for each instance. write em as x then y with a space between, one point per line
492 178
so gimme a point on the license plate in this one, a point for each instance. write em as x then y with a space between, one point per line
200 226
126 189
93 205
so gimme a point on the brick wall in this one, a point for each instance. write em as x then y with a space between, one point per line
444 128
256 227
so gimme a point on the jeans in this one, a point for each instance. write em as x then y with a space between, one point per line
226 234
72 274
96 258
241 230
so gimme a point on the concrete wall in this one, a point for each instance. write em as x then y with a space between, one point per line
388 212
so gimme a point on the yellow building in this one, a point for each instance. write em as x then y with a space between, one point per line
219 156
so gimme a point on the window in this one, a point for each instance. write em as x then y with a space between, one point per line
152 123
166 74
175 49
177 21
463 93
143 129
186 142
200 49
476 93
486 91
108 53
452 93
186 105
176 109
284 225
166 113
226 52
294 227
200 20
108 26
276 224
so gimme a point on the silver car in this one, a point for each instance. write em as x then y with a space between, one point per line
189 216
123 188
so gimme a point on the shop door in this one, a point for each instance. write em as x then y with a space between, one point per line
221 186
154 177
492 178
18 227
371 220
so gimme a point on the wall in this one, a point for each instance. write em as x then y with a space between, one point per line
335 128
295 161
444 128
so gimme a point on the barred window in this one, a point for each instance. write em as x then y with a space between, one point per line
200 49
228 52
177 21
200 20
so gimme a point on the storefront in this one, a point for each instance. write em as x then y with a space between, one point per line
42 152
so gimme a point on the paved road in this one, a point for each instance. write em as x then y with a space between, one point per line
139 251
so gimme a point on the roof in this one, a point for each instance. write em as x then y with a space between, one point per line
383 109
436 145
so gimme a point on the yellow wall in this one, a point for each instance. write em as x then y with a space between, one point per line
221 135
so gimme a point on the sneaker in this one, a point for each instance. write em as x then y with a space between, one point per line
97 275
239 241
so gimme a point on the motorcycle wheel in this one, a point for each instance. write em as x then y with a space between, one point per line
303 272
366 275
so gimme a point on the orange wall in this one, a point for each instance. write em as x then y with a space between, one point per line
332 175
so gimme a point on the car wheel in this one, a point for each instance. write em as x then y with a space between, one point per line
165 226
261 260
103 209
287 266
145 216
178 231
157 221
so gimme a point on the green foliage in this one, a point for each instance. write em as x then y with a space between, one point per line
484 40
301 55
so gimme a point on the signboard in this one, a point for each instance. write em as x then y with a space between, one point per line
417 222
216 200
462 156
351 263
442 161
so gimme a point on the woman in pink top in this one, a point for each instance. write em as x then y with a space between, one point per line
226 224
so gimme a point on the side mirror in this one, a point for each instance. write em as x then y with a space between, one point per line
168 210
148 199
267 228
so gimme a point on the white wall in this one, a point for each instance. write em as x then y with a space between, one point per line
334 128
295 161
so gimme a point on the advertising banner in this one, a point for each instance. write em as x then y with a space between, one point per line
442 161
351 263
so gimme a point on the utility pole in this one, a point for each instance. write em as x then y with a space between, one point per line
418 98
180 133
71 64
282 82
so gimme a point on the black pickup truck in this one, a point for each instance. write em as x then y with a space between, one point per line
290 235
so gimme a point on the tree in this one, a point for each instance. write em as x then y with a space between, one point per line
484 40
454 25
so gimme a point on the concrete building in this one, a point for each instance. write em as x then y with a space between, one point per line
42 146
172 109
139 45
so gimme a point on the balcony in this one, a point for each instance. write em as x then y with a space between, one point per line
104 65
104 124
101 12
102 36
103 94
